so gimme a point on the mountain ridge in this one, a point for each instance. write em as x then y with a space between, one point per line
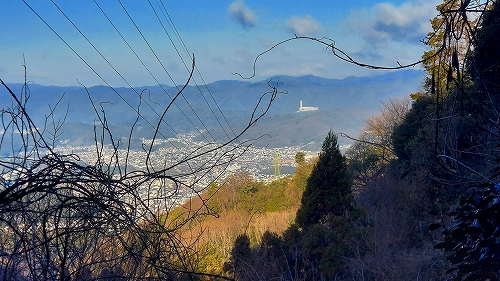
343 105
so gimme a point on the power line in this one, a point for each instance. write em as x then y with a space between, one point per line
171 23
187 68
95 72
166 71
111 65
142 62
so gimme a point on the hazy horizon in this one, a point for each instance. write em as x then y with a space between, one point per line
144 44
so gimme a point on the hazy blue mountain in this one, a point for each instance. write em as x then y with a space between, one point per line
343 105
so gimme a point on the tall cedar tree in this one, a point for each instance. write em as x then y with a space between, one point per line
328 191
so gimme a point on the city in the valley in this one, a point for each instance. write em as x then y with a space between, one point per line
262 163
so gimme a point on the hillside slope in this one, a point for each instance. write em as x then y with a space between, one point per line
343 106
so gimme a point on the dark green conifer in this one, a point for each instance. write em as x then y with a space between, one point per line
328 191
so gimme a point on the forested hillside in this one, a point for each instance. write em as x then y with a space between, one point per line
243 209
416 196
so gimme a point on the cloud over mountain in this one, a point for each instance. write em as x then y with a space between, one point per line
242 14
303 25
386 22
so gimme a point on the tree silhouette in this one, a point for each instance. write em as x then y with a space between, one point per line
328 191
471 238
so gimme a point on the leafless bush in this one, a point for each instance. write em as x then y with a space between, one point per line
66 219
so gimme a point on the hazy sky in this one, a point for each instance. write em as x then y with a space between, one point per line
225 37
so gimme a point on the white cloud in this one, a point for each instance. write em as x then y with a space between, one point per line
303 25
385 22
242 14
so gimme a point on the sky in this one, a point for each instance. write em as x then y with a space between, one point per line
145 42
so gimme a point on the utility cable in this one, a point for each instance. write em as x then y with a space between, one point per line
90 67
166 71
171 23
140 60
187 68
117 72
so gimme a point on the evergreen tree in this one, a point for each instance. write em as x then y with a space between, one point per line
300 157
328 191
240 255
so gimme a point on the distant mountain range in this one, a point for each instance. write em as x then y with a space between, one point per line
343 106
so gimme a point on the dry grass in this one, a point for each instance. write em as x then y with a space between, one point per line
214 237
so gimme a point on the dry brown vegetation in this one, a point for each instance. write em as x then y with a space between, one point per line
242 205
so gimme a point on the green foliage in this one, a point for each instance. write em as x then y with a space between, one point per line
326 247
486 56
272 198
212 189
250 187
446 142
484 65
422 142
211 261
364 162
240 254
438 63
241 249
472 241
270 243
302 173
322 222
328 192
291 237
241 192
410 136
300 157
310 249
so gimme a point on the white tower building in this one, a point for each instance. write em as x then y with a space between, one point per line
306 108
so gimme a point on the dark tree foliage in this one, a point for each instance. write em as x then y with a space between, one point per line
300 157
317 246
328 191
448 139
485 63
471 239
240 256
409 133
326 248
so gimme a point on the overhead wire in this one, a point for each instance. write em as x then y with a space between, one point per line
114 69
82 59
172 25
167 72
140 60
187 68
122 77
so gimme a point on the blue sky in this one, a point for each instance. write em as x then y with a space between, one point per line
225 37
